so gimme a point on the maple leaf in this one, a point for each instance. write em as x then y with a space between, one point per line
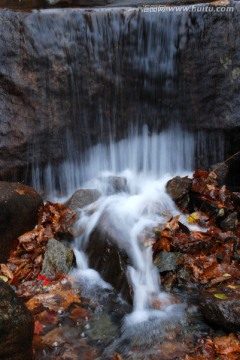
45 280
38 328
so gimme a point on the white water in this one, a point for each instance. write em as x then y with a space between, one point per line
146 162
150 155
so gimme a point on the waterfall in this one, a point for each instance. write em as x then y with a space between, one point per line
116 130
123 103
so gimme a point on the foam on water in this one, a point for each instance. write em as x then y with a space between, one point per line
132 217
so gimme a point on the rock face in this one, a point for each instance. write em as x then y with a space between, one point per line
221 306
16 326
19 213
58 258
63 76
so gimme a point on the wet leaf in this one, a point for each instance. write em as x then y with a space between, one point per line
79 313
56 300
55 337
38 328
220 296
193 218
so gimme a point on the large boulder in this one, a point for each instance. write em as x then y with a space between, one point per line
16 326
19 213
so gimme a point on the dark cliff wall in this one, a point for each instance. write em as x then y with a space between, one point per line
88 73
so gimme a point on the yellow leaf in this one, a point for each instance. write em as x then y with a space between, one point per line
194 217
234 287
221 296
4 278
226 275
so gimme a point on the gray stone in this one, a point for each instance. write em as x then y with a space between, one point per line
19 213
168 261
16 326
230 222
58 258
82 198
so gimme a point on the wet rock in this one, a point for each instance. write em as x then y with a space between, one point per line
221 170
178 188
114 184
230 222
16 326
102 329
58 258
107 255
82 198
19 213
221 306
168 261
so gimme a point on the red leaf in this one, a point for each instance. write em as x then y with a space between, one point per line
38 328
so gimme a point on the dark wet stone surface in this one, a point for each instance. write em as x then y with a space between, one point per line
19 213
16 326
221 306
108 257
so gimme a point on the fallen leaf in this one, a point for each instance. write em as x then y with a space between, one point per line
56 300
3 278
6 271
38 328
220 296
173 225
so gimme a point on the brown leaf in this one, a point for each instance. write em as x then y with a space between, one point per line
54 300
28 236
6 271
173 225
226 345
79 313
